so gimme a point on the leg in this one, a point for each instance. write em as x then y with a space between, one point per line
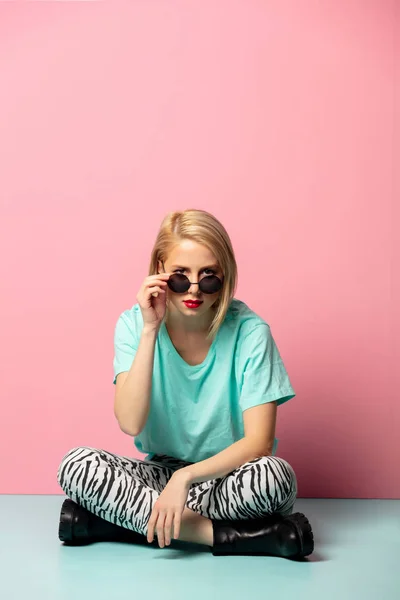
123 490
260 487
116 489
251 511
119 489
195 528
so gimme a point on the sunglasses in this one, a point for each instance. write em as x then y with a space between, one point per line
179 283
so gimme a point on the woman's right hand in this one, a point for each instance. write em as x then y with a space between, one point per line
152 299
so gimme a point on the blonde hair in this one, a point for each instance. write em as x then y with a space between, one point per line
202 227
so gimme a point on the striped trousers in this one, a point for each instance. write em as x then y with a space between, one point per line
123 490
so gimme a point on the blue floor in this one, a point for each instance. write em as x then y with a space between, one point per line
357 555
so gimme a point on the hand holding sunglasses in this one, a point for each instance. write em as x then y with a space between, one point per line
153 311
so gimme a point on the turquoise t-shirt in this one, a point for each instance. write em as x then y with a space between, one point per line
196 411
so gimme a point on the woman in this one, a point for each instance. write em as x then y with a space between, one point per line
198 381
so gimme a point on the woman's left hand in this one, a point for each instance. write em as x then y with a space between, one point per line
168 509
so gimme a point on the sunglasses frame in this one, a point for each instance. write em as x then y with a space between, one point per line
194 283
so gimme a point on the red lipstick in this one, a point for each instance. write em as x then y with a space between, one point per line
192 303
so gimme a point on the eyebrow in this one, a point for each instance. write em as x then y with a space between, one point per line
186 268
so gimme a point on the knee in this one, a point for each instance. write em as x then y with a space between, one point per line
279 475
283 472
70 462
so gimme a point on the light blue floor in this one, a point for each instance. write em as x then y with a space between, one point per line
357 555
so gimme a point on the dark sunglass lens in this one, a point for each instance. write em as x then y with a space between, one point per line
210 284
178 283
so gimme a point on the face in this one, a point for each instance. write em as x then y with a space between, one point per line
196 262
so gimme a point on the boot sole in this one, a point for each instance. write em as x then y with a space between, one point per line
304 533
66 525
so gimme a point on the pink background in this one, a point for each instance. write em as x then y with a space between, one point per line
278 117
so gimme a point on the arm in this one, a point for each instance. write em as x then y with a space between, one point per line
259 434
133 388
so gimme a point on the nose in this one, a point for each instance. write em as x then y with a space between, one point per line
193 290
198 289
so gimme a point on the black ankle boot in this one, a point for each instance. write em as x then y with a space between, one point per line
273 535
78 527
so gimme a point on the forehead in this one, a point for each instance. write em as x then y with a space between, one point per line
191 253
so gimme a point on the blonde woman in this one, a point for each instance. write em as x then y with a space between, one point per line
198 380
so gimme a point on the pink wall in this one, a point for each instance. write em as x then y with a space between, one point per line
276 116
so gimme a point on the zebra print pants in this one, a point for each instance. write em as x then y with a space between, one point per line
123 490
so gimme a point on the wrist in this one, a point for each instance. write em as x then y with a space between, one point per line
183 475
150 330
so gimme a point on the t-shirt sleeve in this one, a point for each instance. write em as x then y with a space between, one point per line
125 345
264 377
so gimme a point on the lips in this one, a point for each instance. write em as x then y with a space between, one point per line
195 302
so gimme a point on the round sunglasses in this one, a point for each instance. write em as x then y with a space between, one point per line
179 283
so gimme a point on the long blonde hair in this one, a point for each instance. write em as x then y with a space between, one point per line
202 227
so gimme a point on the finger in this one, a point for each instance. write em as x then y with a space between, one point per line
158 277
151 525
160 529
168 528
148 285
156 286
156 282
177 525
154 290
